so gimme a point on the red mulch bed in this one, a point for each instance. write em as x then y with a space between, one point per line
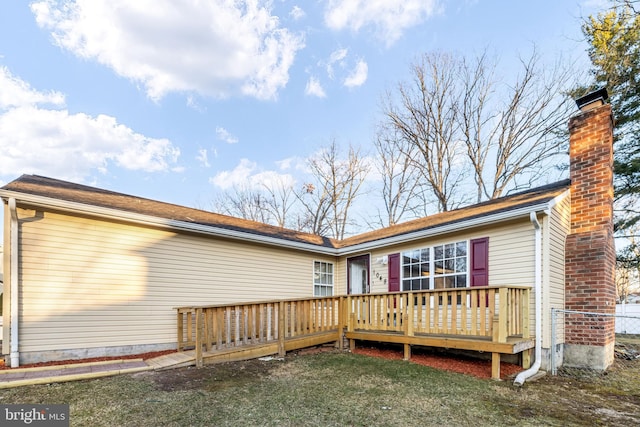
460 364
144 356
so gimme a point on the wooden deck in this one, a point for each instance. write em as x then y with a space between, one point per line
488 319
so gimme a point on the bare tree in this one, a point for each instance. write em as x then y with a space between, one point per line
451 114
243 202
401 193
338 182
270 203
515 139
280 201
426 119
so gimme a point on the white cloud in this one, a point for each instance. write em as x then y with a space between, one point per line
68 146
297 13
247 175
237 177
388 18
15 92
203 157
224 135
314 88
338 56
215 48
358 75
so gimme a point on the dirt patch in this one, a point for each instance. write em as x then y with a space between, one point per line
215 377
144 356
460 364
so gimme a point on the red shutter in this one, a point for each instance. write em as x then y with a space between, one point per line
394 272
480 262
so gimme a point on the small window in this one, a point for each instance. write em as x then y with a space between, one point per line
322 279
415 270
450 265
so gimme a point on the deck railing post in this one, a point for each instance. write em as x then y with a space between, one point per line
341 322
503 314
180 330
408 325
524 313
199 337
281 329
524 321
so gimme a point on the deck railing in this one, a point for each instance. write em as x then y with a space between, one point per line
222 327
495 312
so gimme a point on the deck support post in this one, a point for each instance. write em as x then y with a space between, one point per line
495 366
199 337
526 358
407 320
281 330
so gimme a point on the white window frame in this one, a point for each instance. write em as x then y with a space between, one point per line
318 275
432 274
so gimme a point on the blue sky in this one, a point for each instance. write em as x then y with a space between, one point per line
177 100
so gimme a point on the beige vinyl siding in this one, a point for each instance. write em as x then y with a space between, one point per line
6 295
559 227
511 254
94 283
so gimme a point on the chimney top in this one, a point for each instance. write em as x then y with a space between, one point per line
592 100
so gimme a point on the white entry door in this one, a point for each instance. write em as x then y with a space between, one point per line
358 274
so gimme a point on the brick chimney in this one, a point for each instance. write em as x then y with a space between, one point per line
589 248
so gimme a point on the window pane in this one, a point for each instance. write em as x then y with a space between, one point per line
316 267
415 285
450 282
406 258
424 284
424 255
449 251
406 285
330 268
461 249
449 266
461 265
461 281
323 267
406 271
438 252
415 270
424 270
438 267
438 282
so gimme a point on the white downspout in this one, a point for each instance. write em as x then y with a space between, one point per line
13 230
537 291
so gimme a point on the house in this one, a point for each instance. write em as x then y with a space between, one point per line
90 272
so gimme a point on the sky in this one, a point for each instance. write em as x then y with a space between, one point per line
178 100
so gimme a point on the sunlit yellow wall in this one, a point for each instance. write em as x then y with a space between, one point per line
93 283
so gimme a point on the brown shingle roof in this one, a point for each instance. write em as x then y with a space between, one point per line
76 193
539 195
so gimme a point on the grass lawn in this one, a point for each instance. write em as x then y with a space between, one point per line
338 389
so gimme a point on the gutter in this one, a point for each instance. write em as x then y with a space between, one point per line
13 271
524 375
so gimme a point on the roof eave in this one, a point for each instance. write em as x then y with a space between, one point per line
149 220
484 220
117 214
